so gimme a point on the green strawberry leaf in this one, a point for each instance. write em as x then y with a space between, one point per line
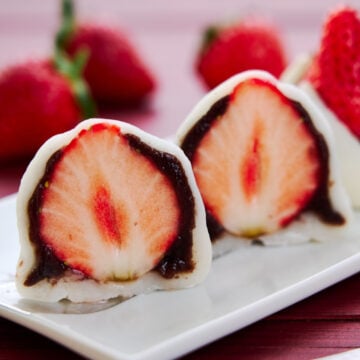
72 68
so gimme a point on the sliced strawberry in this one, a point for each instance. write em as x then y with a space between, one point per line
258 164
106 209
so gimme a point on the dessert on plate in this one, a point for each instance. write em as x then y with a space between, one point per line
263 157
106 210
332 79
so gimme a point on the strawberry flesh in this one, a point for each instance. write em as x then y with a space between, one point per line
251 167
106 215
103 216
258 161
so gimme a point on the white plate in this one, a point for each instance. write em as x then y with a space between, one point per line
243 287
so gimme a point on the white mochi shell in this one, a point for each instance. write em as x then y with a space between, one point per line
338 196
88 290
347 146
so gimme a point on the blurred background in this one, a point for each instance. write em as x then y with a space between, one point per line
166 33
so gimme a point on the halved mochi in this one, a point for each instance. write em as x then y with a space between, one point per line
347 144
262 155
106 210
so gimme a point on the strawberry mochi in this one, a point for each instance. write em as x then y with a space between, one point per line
347 146
107 210
262 155
332 79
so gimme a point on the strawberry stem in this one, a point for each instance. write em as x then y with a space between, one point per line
68 24
210 35
72 68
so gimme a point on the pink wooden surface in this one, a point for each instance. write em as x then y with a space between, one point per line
167 34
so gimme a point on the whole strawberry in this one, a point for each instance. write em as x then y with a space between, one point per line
335 71
249 44
37 101
114 72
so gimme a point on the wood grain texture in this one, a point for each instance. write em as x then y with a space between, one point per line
326 323
321 325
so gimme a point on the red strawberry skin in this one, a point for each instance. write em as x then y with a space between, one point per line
251 44
115 72
35 103
335 72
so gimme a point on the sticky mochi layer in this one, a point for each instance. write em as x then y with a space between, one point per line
263 155
106 210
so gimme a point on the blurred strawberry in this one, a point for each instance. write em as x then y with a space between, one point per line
115 72
335 71
249 44
37 100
